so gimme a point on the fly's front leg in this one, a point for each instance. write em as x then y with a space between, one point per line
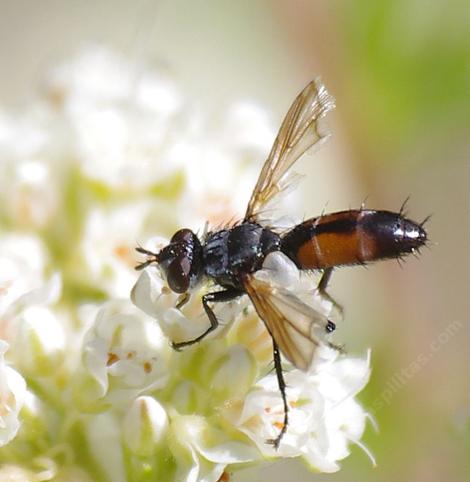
282 388
217 297
324 280
182 300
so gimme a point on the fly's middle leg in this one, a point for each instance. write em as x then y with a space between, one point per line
217 297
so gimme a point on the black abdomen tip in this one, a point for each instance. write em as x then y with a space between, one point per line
393 234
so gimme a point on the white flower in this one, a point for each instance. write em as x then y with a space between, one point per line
40 343
31 198
100 75
124 352
221 167
36 332
31 182
324 417
22 264
120 119
203 452
108 246
13 473
12 396
339 381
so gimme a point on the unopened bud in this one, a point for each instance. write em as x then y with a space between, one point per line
145 425
12 395
233 373
40 344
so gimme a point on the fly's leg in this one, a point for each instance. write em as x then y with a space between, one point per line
217 297
282 388
324 280
182 300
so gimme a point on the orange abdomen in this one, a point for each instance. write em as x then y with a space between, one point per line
351 237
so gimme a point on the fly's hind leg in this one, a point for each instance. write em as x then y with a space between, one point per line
217 297
324 280
282 388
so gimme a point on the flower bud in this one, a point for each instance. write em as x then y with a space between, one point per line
40 344
22 260
10 472
12 395
233 373
145 424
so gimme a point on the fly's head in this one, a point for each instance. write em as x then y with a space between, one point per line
180 261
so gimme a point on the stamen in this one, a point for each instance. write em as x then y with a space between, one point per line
112 358
366 451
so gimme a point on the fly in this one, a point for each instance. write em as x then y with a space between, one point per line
230 257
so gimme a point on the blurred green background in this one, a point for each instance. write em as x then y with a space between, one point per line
400 72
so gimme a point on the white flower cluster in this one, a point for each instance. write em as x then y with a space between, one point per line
324 416
90 388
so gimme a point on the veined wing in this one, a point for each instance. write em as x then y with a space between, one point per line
298 132
296 327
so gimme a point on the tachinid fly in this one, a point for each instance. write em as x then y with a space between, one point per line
229 257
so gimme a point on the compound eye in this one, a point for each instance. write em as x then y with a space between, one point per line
182 236
178 274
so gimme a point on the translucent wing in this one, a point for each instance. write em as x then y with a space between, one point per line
296 327
299 131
